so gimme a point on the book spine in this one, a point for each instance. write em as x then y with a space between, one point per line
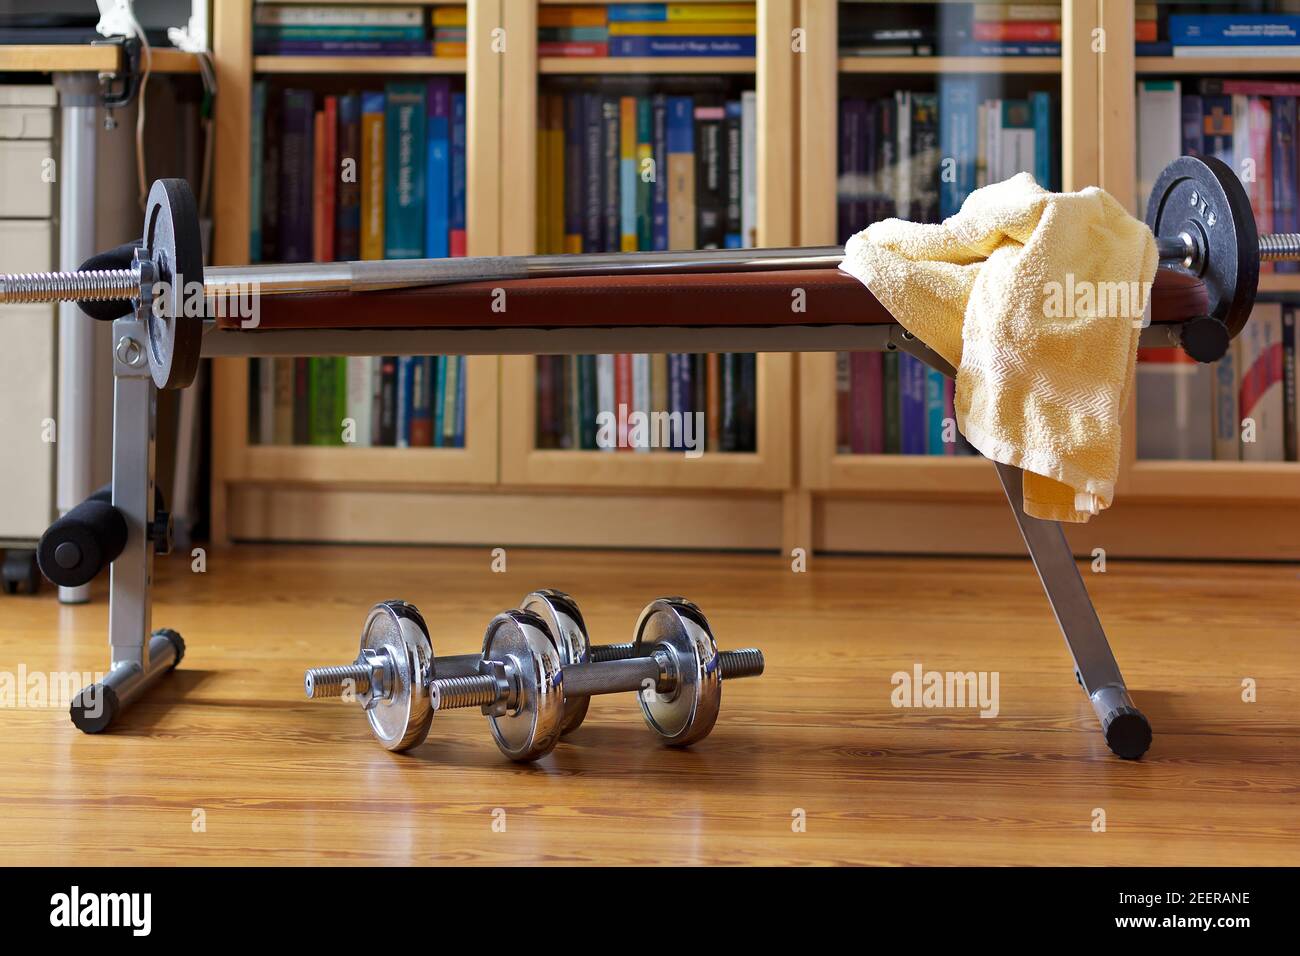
934 413
1217 127
1233 29
641 392
347 234
1040 104
587 401
376 399
360 390
747 396
644 171
459 240
627 174
573 178
257 151
451 388
890 363
1193 136
572 48
437 392
593 198
710 177
265 401
421 414
912 405
623 398
402 404
681 173
388 377
733 231
1286 204
302 401
611 160
713 398
654 46
437 185
458 434
323 401
296 160
320 15
860 403
605 402
748 169
874 387
404 202
284 383
659 189
372 175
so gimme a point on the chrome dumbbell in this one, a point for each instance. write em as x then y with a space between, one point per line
523 681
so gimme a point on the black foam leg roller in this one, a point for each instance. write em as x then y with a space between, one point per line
81 543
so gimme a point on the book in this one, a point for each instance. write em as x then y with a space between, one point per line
659 189
372 175
347 227
911 405
340 15
327 400
1226 418
1260 391
388 401
1176 403
627 176
405 143
282 430
1234 29
420 415
459 240
605 402
681 173
257 140
360 396
1290 386
437 180
681 46
748 170
1159 131
710 194
297 152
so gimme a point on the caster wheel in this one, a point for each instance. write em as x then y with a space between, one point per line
19 573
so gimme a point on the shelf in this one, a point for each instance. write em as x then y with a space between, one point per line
358 64
950 64
552 65
1255 481
71 58
1280 282
316 464
1218 64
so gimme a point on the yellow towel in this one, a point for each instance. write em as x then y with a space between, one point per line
1036 298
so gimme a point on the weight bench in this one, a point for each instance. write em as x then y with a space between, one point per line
708 301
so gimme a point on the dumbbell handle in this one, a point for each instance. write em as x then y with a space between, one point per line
1273 247
609 677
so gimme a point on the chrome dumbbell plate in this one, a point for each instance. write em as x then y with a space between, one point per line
532 712
399 710
564 621
688 713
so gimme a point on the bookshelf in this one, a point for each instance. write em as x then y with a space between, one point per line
797 489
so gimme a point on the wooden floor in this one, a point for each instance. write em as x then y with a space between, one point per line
226 763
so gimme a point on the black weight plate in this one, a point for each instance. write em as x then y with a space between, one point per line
171 240
1202 196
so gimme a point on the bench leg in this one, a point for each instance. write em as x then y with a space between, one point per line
1127 731
139 657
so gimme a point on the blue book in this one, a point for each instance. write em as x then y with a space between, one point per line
258 121
637 12
911 404
439 389
459 440
731 142
1234 29
1216 128
405 142
659 194
935 407
978 48
1041 104
459 242
958 139
593 180
1160 48
405 373
437 180
1286 205
1193 139
682 46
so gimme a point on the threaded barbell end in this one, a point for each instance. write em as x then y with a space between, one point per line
1279 246
333 681
93 285
612 652
456 692
742 662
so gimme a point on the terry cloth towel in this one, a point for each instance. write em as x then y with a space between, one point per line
1036 298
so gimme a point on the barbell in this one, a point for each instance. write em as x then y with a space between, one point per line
1199 213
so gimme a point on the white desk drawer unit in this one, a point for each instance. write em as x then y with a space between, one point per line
28 362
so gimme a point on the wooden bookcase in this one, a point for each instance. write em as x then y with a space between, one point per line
795 491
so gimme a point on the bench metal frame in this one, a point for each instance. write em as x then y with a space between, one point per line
140 656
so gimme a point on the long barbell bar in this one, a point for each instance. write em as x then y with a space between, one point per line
377 275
